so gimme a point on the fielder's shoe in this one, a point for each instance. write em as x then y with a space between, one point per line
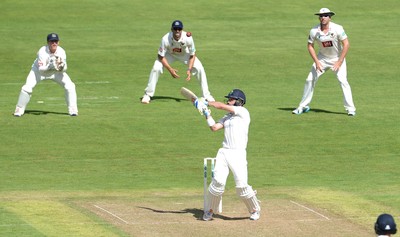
146 99
301 110
255 216
207 216
351 113
19 112
73 111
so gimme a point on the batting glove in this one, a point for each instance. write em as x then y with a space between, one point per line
200 104
206 112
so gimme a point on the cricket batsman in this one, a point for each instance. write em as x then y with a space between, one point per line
50 64
232 155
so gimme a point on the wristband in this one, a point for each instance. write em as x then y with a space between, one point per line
210 121
189 69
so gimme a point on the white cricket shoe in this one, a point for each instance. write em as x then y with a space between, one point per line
146 99
19 112
351 113
255 216
73 111
301 110
207 216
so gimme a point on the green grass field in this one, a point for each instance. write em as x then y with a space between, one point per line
119 150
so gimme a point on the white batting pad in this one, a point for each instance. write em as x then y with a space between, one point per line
214 196
249 198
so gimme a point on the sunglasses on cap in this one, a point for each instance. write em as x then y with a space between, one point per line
324 15
177 28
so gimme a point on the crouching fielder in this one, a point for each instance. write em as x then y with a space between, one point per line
51 63
232 155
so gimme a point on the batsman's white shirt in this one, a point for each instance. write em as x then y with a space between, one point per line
233 156
236 128
330 46
181 49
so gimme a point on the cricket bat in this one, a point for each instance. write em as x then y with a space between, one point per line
188 94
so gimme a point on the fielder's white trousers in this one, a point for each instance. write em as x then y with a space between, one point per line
61 78
231 160
341 75
198 71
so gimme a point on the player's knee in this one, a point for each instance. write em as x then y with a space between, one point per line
27 89
70 86
157 67
245 192
216 188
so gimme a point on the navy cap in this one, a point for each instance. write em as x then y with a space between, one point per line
52 37
177 24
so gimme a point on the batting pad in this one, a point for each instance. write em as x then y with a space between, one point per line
214 196
249 198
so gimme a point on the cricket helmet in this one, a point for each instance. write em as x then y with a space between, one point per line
385 225
238 95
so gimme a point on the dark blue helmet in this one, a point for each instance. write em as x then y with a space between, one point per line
385 225
238 95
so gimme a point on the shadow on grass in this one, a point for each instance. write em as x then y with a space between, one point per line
41 112
314 110
197 213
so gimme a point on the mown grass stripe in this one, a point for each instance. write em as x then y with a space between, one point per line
56 219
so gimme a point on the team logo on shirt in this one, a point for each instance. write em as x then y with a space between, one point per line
177 50
327 44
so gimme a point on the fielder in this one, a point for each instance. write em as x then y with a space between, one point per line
232 155
333 44
50 64
177 45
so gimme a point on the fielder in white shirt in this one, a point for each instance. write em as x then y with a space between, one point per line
177 45
334 45
232 156
50 64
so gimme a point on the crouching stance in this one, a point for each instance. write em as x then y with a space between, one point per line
232 155
51 63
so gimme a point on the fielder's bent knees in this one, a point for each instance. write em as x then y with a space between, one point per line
157 67
26 89
70 86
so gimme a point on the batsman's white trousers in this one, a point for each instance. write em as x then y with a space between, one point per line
197 70
61 78
341 75
234 160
